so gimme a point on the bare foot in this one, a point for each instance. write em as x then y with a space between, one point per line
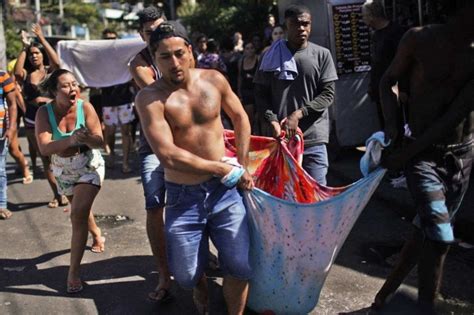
74 286
160 295
5 214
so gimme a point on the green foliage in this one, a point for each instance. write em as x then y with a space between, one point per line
220 19
78 13
12 39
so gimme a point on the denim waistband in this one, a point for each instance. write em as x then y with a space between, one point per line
209 184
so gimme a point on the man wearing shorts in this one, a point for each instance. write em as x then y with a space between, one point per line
117 111
180 116
439 61
144 72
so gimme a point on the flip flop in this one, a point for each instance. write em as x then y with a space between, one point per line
27 180
53 203
56 203
64 201
5 214
166 297
98 247
74 286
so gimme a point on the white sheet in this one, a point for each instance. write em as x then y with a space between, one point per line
99 63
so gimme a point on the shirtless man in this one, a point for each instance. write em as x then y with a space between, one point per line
439 60
180 115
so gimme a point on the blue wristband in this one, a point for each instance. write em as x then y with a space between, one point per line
231 179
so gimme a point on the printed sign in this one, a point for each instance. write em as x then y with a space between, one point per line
352 39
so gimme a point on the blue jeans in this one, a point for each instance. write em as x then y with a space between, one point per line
315 162
193 214
3 173
153 181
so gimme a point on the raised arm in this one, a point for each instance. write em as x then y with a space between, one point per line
140 72
398 69
20 72
158 133
52 55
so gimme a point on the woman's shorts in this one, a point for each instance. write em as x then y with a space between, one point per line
118 115
84 168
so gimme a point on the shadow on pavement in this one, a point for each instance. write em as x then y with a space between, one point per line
118 285
17 207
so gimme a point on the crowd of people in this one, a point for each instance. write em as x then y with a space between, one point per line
270 89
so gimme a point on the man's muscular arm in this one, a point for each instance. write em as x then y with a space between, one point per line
398 69
141 72
236 112
158 133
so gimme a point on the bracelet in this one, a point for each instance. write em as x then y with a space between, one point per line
233 177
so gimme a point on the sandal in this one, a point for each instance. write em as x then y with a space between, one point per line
53 203
28 180
165 296
64 201
5 214
99 246
56 203
74 286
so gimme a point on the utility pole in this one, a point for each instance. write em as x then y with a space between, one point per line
61 9
38 11
3 45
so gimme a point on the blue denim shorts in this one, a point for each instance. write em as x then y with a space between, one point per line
153 181
437 181
193 213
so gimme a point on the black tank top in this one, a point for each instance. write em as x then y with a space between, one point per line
247 76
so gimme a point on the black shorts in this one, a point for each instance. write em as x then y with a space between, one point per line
437 180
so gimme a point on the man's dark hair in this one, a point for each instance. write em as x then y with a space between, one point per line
150 14
201 37
167 30
295 10
212 46
108 31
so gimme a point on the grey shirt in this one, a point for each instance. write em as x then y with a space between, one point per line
277 99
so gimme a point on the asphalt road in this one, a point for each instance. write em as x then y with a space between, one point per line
34 256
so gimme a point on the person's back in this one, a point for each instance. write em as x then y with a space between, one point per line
442 64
